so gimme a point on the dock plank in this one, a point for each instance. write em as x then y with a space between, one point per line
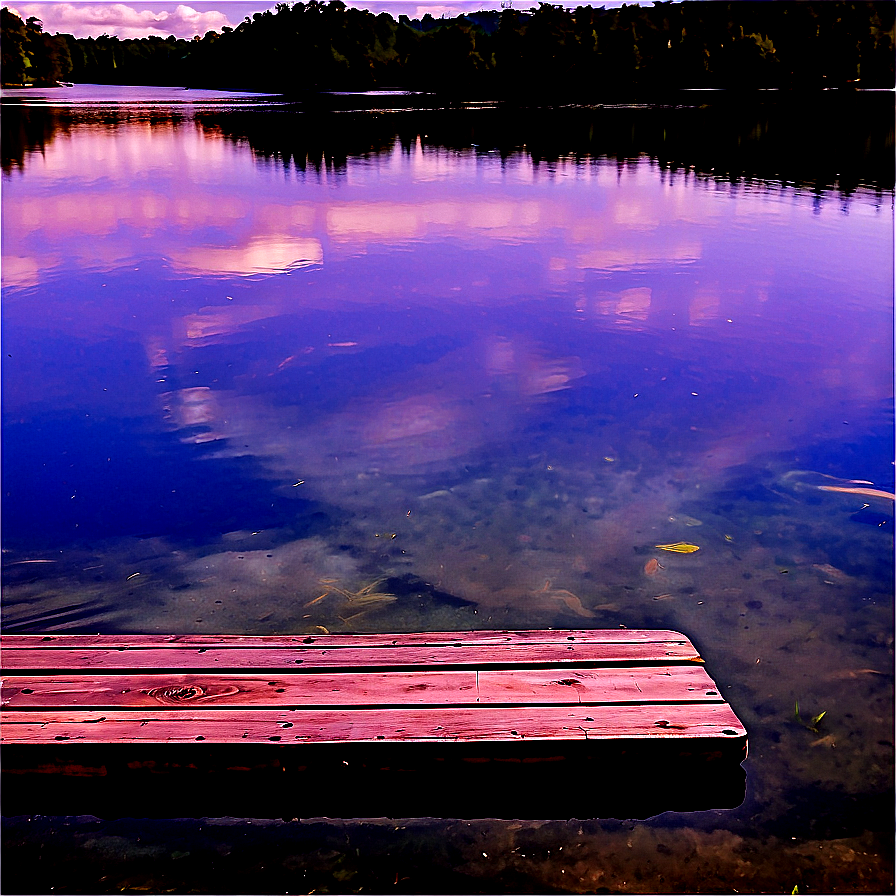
406 725
462 638
652 684
318 657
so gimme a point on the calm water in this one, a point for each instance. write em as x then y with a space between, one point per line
493 359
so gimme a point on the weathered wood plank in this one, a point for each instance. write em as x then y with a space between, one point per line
645 684
258 689
652 684
314 657
442 725
547 636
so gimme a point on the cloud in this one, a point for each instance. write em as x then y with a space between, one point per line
121 20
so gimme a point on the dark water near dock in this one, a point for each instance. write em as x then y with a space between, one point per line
493 357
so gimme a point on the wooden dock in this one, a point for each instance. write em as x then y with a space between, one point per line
375 714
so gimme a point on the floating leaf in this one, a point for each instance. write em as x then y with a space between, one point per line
680 547
810 726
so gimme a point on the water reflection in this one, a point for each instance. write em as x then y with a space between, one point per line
267 254
820 142
255 363
310 377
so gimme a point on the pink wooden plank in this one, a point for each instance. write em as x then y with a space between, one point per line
549 636
203 691
644 684
314 657
518 686
490 724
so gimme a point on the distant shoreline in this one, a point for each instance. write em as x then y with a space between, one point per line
622 96
49 86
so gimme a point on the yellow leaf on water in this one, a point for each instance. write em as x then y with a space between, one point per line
680 547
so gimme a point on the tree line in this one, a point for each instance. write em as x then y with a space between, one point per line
30 56
550 49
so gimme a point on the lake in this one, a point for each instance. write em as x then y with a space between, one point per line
492 357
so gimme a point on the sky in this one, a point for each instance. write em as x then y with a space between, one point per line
140 19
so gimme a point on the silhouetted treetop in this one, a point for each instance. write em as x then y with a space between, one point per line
29 55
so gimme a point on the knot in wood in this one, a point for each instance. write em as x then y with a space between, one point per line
175 694
569 682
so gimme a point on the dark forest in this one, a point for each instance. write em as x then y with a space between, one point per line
580 52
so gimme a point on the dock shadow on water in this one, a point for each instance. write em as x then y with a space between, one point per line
282 371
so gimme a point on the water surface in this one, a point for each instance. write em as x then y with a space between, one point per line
494 359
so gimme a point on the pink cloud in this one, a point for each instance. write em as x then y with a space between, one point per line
121 20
